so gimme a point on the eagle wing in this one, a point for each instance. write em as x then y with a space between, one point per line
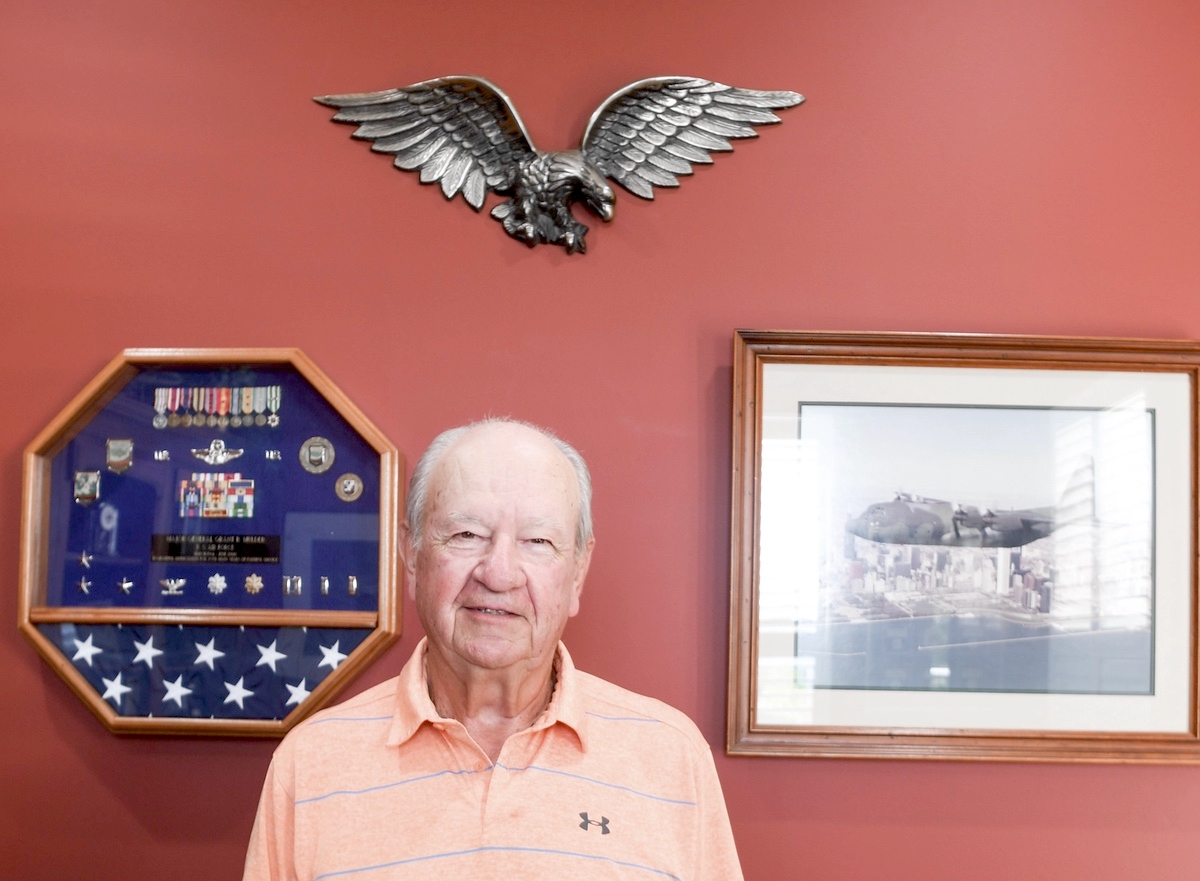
654 129
459 130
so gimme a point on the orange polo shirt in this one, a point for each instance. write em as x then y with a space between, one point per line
607 784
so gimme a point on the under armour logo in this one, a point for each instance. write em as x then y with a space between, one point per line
602 823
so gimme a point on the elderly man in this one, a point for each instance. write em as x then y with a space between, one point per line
491 756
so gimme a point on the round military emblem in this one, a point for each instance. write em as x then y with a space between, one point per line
260 420
160 420
349 487
174 420
316 455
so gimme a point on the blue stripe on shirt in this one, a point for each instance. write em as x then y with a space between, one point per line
497 848
592 780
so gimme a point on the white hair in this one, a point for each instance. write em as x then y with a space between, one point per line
418 489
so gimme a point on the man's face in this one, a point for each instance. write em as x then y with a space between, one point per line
498 574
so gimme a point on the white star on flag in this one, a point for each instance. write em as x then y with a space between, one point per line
331 656
86 650
268 656
298 692
114 689
237 693
176 691
208 654
146 652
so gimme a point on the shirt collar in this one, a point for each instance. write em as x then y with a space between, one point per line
414 707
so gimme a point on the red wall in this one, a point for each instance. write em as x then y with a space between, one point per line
1018 166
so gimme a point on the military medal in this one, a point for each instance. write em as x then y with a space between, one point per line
174 402
316 455
210 407
160 407
274 394
260 404
245 406
197 413
235 407
223 400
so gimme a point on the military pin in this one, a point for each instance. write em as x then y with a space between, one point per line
118 453
352 585
172 587
254 583
349 487
87 486
125 584
324 585
316 455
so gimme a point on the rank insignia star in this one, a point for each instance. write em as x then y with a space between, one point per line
216 584
254 583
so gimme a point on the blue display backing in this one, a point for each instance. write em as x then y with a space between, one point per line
105 544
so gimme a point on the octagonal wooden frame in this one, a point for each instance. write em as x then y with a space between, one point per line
35 522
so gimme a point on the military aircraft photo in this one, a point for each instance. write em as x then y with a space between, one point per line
916 520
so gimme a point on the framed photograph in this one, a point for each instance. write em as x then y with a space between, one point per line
208 542
964 547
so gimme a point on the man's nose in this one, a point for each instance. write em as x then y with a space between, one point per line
500 569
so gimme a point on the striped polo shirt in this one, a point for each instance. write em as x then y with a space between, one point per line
607 784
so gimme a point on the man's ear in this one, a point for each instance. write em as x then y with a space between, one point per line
581 569
408 559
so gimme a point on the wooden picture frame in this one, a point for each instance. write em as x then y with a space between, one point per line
209 542
964 547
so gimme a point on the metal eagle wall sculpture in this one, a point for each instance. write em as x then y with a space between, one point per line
464 133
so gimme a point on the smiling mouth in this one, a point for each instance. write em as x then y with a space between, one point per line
487 611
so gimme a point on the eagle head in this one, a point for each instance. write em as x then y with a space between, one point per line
587 182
